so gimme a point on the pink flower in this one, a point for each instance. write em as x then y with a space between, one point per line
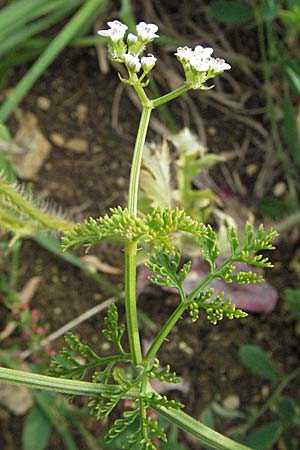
39 330
35 313
26 334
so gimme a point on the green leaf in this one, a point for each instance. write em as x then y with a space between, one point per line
291 71
259 362
287 410
270 9
265 436
226 413
113 331
272 207
154 229
36 431
231 12
290 129
292 299
4 134
166 268
208 247
207 418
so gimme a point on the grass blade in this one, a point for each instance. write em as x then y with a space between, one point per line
86 13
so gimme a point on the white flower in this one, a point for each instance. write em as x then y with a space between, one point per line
116 32
132 62
218 65
200 64
148 62
184 53
146 31
131 39
203 52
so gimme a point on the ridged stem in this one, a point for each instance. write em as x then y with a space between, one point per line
74 387
131 246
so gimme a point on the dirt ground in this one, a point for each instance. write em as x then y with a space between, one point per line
87 104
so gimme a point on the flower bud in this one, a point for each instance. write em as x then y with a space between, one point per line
148 62
132 62
131 39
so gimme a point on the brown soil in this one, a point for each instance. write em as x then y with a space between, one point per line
87 184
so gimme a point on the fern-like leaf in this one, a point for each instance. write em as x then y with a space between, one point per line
113 331
154 228
166 268
217 308
163 374
208 247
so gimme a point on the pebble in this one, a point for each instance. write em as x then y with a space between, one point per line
185 348
105 346
231 402
57 139
82 112
251 169
77 145
120 181
212 131
279 189
57 310
97 148
265 391
43 103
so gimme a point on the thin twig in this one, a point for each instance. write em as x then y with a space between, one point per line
71 325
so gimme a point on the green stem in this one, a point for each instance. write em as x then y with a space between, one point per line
89 8
165 330
73 387
130 302
130 246
45 383
137 160
170 96
202 432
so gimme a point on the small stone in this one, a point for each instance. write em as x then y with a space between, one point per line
265 391
33 145
212 131
57 139
82 112
260 335
231 402
120 181
17 399
279 189
43 103
105 346
97 148
251 169
185 348
77 145
57 310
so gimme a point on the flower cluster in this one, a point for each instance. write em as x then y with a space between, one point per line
199 66
128 51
